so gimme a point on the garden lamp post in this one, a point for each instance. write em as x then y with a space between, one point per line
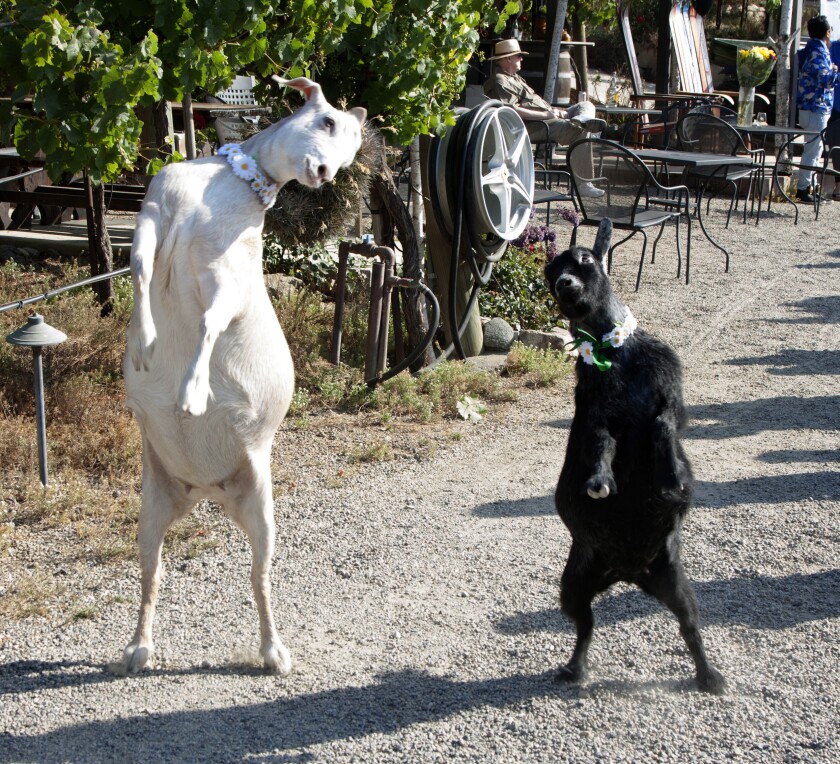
36 334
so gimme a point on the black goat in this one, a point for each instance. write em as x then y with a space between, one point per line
626 483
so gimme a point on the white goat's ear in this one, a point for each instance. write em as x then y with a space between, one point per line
359 113
602 239
311 90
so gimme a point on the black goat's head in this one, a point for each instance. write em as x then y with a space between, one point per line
577 277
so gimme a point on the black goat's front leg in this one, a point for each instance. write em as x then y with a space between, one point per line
583 578
601 447
671 466
667 582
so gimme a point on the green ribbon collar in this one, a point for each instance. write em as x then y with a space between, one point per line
591 349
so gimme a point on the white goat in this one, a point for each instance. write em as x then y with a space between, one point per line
207 369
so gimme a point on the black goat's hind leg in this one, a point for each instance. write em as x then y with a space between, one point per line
669 584
582 579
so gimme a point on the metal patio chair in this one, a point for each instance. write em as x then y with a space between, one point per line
633 199
706 133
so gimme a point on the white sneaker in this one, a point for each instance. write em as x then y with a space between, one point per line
589 191
589 124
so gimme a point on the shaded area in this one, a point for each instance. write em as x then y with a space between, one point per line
798 455
813 310
816 266
768 489
795 362
719 421
757 602
533 506
264 730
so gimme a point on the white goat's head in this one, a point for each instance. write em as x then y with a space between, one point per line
318 139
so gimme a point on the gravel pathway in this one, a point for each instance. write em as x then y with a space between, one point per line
419 598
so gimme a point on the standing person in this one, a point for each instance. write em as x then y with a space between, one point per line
832 133
541 119
814 97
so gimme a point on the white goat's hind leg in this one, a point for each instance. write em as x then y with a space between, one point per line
254 511
223 303
157 512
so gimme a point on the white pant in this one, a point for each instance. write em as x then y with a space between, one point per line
812 150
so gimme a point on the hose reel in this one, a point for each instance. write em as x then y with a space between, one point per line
482 191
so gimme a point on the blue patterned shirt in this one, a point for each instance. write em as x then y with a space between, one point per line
816 78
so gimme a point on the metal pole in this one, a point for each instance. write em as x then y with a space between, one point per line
377 284
554 51
40 419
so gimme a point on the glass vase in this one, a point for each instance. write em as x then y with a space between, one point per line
746 98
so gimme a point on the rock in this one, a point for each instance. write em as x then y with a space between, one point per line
556 339
280 285
487 361
498 334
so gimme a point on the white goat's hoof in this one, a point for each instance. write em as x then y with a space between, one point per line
277 658
601 493
193 397
136 657
140 350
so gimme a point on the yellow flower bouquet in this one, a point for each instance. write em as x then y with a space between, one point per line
753 66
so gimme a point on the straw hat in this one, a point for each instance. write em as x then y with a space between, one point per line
505 48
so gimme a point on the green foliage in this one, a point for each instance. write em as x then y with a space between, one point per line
537 367
89 66
517 291
84 84
311 264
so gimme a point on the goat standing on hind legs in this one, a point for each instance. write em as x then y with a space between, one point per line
626 483
207 370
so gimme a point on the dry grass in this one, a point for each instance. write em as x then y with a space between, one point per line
88 512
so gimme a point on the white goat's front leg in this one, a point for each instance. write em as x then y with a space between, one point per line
141 330
253 510
223 302
159 509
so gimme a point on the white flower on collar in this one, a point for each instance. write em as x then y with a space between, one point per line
590 349
245 167
621 331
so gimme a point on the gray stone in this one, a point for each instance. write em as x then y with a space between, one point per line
498 334
556 339
280 285
487 361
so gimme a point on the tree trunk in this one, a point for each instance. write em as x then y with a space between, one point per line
390 213
556 21
99 245
415 193
783 68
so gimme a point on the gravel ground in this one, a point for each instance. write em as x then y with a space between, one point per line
419 596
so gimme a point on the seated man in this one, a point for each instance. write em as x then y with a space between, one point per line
541 119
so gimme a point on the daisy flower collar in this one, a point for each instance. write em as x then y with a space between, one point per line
246 167
592 349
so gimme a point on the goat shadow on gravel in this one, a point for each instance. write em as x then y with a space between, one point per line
264 731
757 602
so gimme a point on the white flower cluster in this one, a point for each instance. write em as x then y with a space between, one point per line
618 336
246 168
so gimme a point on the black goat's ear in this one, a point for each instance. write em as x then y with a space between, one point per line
602 239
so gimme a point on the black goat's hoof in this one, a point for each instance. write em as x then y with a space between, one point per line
570 675
598 487
711 681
